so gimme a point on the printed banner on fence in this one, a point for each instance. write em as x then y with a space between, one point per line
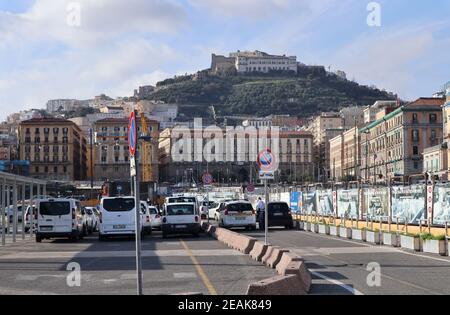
296 201
347 203
324 199
309 202
408 204
441 211
376 203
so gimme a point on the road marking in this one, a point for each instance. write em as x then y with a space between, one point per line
338 283
120 254
200 270
185 275
314 251
392 249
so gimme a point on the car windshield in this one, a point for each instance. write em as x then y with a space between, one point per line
278 207
180 210
89 211
54 208
209 204
239 207
153 211
118 204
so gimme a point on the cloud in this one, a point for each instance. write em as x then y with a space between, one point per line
100 20
396 59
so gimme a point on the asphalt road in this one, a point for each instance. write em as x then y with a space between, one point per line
340 266
176 265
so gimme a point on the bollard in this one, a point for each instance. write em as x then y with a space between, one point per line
398 224
420 226
429 225
389 224
357 222
406 226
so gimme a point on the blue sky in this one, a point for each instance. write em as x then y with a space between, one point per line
122 44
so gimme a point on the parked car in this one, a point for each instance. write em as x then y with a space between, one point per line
146 218
92 220
117 217
10 213
60 218
279 215
30 215
238 213
181 218
156 218
212 211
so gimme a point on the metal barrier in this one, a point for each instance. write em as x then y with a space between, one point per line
13 190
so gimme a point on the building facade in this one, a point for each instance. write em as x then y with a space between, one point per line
435 161
393 146
111 150
55 148
336 158
295 165
253 61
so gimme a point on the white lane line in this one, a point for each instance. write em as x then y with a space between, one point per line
338 283
119 254
391 249
185 275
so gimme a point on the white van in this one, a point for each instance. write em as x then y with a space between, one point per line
60 218
181 218
146 218
117 217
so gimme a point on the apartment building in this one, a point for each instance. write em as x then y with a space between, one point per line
295 149
337 158
394 144
55 148
111 150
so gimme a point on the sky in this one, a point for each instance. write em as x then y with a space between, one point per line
49 51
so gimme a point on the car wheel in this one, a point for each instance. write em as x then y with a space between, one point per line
38 239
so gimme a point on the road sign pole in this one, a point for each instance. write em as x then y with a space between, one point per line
266 214
133 140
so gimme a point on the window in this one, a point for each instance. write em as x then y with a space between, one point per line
65 169
103 159
415 150
416 165
116 158
55 131
46 131
46 169
433 118
118 204
415 136
55 169
65 139
433 135
415 118
65 131
36 169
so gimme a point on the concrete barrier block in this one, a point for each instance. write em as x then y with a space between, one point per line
299 269
258 251
279 285
285 260
245 244
273 256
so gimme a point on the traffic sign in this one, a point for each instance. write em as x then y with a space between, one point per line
133 167
132 134
207 178
266 160
263 175
250 188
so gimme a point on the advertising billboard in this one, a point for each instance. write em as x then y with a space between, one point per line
376 203
296 202
441 207
408 204
309 202
347 203
324 202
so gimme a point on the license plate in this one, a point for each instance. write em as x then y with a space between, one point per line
119 227
278 214
46 228
181 226
240 218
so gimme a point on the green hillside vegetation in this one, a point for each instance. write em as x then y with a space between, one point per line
311 91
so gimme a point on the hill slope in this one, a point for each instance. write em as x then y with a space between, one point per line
311 91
